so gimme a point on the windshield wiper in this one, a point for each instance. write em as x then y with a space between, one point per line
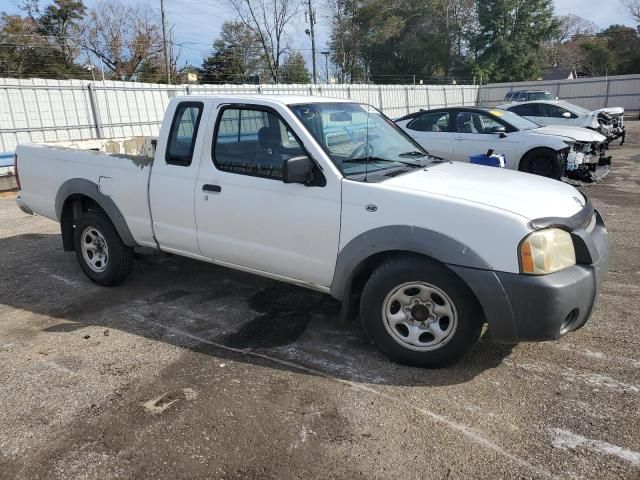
414 153
379 159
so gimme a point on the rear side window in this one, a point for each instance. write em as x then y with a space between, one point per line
431 122
526 110
253 142
183 133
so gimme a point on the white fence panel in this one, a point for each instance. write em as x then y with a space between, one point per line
592 93
41 111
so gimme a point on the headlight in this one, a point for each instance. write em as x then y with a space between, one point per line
546 251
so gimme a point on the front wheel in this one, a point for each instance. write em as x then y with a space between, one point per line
419 313
102 255
543 162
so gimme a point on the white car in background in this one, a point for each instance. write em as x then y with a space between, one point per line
607 121
457 133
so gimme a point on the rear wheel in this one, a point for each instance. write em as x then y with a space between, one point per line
102 255
543 162
419 313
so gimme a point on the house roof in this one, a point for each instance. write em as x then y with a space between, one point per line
557 73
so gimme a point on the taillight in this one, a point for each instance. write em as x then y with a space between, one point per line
15 170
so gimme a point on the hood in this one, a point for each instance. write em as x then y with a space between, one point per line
578 134
524 194
613 111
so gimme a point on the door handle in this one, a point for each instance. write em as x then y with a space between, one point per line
211 188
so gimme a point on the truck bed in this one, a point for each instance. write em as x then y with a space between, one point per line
43 171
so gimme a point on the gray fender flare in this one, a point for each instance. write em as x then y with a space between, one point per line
405 238
81 186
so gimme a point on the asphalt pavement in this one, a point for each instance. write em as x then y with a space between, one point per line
189 370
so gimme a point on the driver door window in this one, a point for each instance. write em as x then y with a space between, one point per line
253 142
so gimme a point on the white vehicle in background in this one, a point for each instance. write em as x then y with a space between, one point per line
607 121
458 133
527 95
331 195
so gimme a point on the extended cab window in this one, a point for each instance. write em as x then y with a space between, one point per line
253 142
182 137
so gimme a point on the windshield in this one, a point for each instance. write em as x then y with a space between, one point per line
358 138
515 120
576 108
541 96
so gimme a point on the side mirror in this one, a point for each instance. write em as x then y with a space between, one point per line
500 130
566 115
297 170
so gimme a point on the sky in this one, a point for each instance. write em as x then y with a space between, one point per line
196 23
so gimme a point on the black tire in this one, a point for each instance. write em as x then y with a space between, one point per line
412 268
120 257
543 162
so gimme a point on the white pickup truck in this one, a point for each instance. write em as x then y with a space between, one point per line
331 195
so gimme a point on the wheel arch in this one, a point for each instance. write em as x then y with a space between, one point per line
79 195
531 149
364 253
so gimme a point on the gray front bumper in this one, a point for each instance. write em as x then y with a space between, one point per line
521 308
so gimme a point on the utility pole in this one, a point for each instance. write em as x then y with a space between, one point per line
311 33
326 63
164 43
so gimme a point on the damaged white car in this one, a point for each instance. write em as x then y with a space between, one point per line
460 133
607 121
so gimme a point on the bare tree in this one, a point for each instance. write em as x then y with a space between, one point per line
574 26
564 49
633 7
268 20
122 37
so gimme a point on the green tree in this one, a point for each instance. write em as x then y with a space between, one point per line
598 59
237 56
294 69
59 23
25 52
345 42
392 42
624 43
511 33
223 66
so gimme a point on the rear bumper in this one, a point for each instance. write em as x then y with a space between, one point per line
23 206
526 308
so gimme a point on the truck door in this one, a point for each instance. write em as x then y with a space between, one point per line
173 180
248 217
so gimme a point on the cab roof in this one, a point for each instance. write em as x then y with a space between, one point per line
263 98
